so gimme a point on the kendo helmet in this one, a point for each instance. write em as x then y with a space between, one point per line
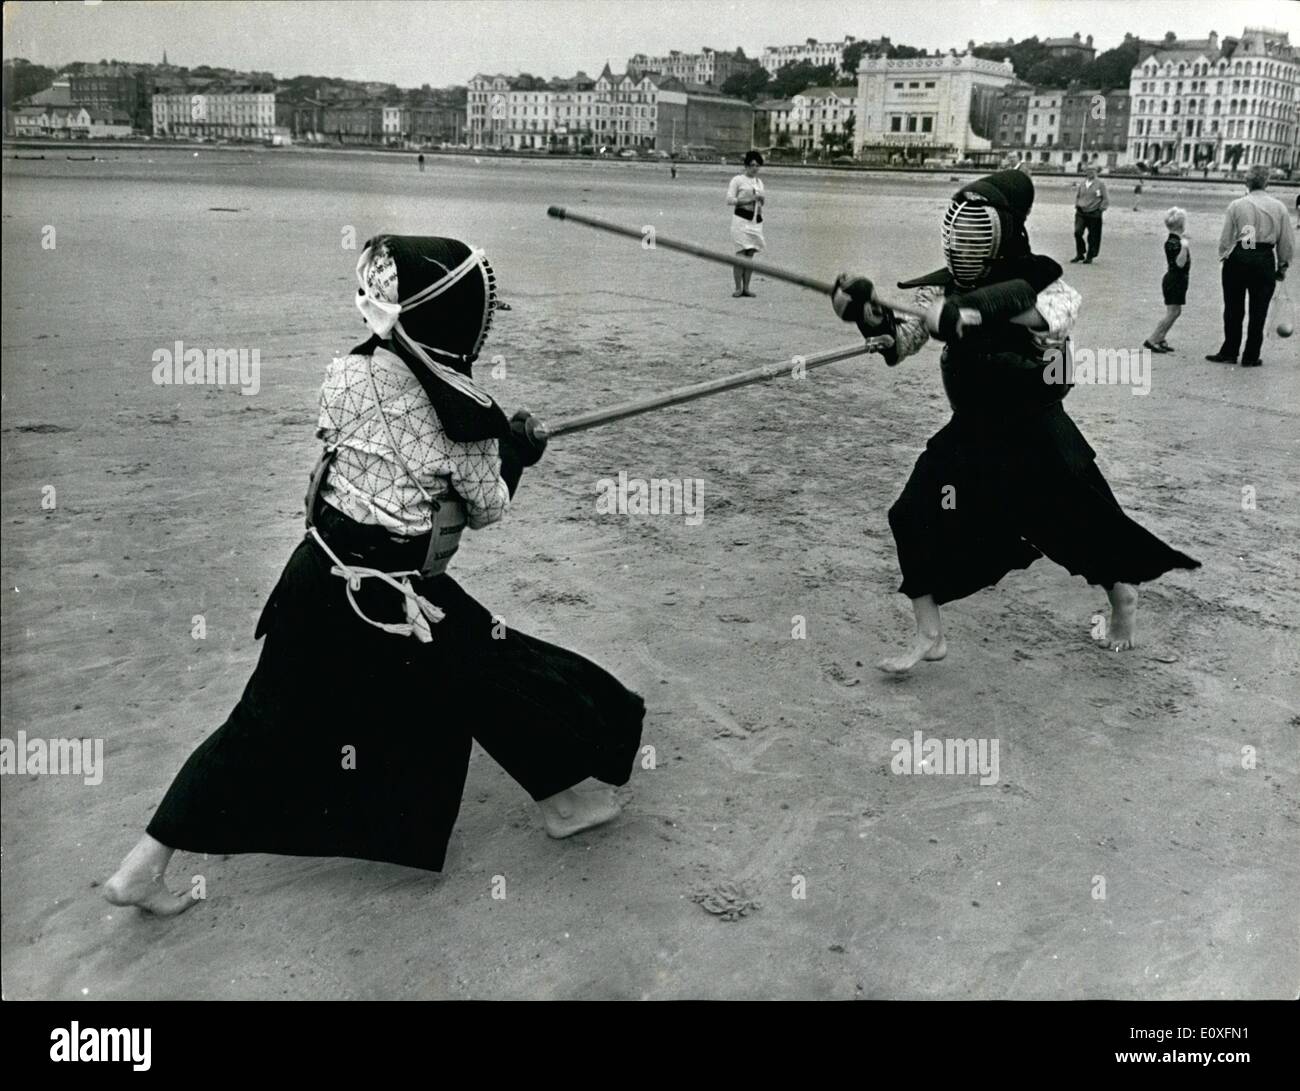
435 296
985 221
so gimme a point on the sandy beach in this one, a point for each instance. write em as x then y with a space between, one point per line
770 851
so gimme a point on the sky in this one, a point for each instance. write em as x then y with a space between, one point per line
442 42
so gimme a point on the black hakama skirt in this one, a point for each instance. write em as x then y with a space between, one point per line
350 741
989 495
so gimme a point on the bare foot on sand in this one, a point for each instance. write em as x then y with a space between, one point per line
148 894
139 881
570 812
930 647
1121 630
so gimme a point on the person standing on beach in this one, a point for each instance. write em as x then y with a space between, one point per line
1255 248
378 672
1178 271
1090 201
745 197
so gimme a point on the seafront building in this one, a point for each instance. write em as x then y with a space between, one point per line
934 107
1206 104
818 118
236 112
818 54
711 67
1050 128
636 110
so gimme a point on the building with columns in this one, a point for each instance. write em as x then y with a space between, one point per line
1205 104
942 106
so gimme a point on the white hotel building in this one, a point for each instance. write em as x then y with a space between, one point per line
1195 102
239 113
612 110
811 50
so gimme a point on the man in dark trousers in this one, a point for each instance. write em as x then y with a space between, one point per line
1255 249
1090 201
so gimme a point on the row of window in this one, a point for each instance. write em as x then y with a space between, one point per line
1249 87
1066 156
913 85
908 124
1256 153
578 111
600 125
1197 106
787 127
1261 68
1266 130
221 111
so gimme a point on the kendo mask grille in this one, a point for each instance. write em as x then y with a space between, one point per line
972 233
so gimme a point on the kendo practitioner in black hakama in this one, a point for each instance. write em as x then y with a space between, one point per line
377 670
1009 478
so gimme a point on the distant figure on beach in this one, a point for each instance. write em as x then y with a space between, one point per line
672 170
420 160
1178 269
378 672
1090 201
745 196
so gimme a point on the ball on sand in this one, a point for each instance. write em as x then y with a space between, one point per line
1285 329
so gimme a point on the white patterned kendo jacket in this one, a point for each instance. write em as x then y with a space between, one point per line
1058 303
368 483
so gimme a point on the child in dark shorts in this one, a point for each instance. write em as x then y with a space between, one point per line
1178 261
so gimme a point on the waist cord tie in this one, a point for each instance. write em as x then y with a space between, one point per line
419 610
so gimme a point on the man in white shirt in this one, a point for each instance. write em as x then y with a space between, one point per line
1255 249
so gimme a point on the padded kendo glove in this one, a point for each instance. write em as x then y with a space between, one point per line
852 299
521 448
998 302
993 303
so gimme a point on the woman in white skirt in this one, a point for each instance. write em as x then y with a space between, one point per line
745 196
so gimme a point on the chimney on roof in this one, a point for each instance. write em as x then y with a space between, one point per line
1076 35
1088 41
1214 39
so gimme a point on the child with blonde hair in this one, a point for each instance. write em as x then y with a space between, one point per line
1178 262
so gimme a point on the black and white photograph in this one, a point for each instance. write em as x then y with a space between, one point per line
664 500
